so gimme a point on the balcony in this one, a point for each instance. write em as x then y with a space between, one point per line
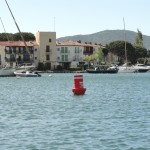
10 59
8 51
24 60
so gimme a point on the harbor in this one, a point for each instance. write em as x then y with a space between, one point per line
43 113
88 91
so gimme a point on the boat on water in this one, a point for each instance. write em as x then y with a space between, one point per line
26 67
27 74
102 71
141 68
6 71
126 69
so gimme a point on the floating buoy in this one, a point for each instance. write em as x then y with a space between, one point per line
18 77
78 85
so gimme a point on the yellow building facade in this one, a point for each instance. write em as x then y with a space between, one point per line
47 48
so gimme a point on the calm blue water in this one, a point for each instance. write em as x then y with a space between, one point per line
43 114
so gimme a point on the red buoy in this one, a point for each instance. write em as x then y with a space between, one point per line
78 85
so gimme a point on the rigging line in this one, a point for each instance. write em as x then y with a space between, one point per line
18 28
7 37
4 30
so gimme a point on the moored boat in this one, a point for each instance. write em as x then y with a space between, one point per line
109 71
141 68
126 69
26 67
7 71
27 74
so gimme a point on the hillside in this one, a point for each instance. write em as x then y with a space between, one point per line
107 36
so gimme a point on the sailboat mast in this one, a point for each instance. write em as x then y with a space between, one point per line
7 37
4 30
125 45
17 27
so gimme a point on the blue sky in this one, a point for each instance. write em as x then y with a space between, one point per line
73 17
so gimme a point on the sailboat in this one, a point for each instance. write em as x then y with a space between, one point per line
19 69
7 70
125 68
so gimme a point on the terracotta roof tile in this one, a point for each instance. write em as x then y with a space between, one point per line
17 43
75 43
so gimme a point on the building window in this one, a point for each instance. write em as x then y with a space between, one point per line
66 49
47 57
50 40
35 58
47 48
62 57
35 49
58 58
26 57
66 57
58 49
77 50
62 49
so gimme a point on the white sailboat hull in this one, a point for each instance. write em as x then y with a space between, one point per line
7 71
126 69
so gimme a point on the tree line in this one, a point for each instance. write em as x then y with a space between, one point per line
135 52
16 36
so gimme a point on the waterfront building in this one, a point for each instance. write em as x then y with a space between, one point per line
47 48
42 50
72 53
14 52
69 54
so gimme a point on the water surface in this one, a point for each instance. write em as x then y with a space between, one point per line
43 114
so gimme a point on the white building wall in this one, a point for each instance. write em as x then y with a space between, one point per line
75 54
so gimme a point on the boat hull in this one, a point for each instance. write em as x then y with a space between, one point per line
102 71
142 70
7 72
126 70
26 74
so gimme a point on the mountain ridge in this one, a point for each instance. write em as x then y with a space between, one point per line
107 36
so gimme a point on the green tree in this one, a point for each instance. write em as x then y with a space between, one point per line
3 36
98 55
17 37
148 53
88 59
27 36
140 52
105 52
139 39
118 48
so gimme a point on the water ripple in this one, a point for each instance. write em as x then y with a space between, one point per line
43 114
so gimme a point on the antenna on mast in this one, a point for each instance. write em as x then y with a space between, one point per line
54 24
